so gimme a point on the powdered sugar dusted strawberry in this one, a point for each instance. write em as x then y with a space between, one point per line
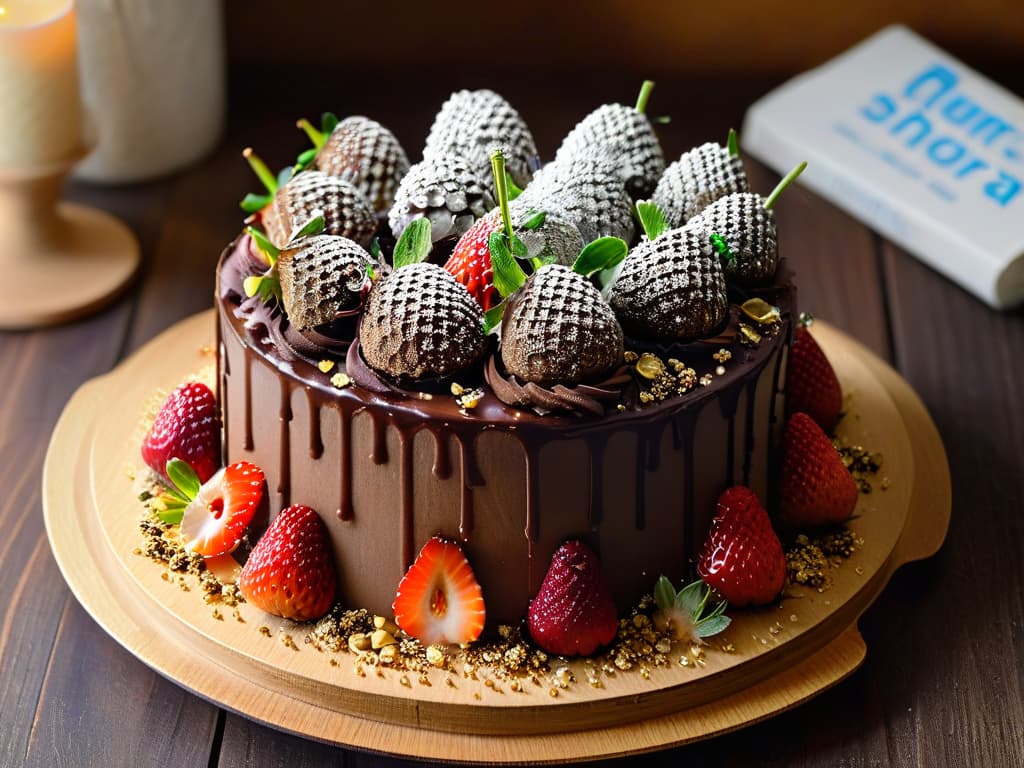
573 614
216 519
290 572
811 383
439 599
698 178
742 557
187 427
816 487
345 211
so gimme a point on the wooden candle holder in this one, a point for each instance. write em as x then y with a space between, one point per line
60 260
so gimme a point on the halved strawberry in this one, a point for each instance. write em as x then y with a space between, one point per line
186 428
470 262
215 520
290 572
439 599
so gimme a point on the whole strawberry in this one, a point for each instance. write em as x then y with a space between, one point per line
811 382
698 178
470 262
557 329
816 487
345 211
742 557
322 278
419 322
626 136
573 614
671 288
290 572
187 427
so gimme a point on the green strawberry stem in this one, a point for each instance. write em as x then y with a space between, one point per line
719 244
644 96
315 134
790 177
733 143
501 186
261 170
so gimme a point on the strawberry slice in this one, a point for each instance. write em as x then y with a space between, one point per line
215 520
439 599
470 262
186 428
290 572
816 487
811 383
573 614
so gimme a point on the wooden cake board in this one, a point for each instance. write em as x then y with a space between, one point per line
780 655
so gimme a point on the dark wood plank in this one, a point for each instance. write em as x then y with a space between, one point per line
247 744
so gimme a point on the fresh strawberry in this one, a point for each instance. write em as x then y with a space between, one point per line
573 614
290 572
187 428
812 386
470 262
742 557
817 489
215 520
439 599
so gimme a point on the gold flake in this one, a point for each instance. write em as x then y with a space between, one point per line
650 366
630 356
706 379
749 336
620 408
340 380
457 389
325 366
760 311
722 356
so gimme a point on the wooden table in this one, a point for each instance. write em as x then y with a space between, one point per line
943 681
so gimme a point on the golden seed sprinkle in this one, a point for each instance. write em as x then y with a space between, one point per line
761 312
325 366
340 380
457 389
720 370
650 366
706 379
630 356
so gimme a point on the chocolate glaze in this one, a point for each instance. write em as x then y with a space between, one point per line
386 468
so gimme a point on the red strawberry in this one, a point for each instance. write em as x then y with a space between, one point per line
812 386
290 572
187 428
470 262
817 488
573 614
215 520
439 599
742 557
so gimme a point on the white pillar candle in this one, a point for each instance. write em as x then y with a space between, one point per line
40 116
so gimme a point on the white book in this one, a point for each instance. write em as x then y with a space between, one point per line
915 144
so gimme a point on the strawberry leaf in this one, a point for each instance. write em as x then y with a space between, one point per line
711 626
733 143
519 249
414 245
652 218
690 598
173 513
305 159
603 253
664 594
254 203
535 220
314 226
268 249
251 285
508 275
285 175
492 317
328 122
513 190
374 249
184 478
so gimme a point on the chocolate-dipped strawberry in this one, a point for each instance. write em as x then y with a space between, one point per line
698 178
362 152
346 212
533 235
323 278
419 322
472 124
627 136
741 227
446 192
556 327
584 189
671 287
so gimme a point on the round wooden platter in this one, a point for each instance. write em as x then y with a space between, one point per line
781 655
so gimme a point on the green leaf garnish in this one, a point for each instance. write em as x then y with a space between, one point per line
712 626
664 593
267 286
663 119
644 96
314 226
508 275
789 178
374 249
174 511
519 249
603 253
268 249
328 122
733 143
492 317
255 203
285 175
652 218
513 190
414 245
306 157
184 478
719 244
534 221
686 611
